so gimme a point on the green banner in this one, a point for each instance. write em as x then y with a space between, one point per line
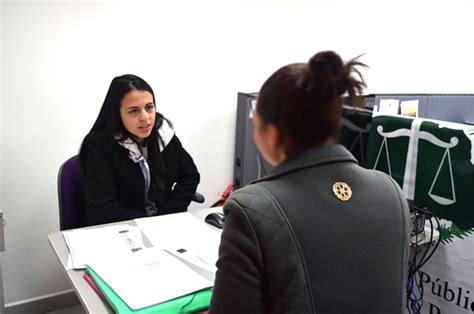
432 161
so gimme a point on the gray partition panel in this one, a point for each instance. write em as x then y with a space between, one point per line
248 164
423 99
457 108
454 108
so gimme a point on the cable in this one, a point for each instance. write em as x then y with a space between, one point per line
186 304
425 258
414 287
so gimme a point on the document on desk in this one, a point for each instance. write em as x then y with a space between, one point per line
148 277
86 245
184 236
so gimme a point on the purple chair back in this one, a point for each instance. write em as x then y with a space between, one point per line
70 194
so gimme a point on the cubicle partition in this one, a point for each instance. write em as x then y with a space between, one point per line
457 108
249 164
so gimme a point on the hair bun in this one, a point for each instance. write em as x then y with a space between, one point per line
326 63
326 74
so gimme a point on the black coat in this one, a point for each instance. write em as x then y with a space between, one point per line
115 185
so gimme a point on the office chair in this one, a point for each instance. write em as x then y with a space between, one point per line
71 194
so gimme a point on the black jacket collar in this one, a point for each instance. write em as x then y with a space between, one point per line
310 158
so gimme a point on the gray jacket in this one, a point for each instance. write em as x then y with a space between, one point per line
289 245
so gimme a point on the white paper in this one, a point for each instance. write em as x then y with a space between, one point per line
86 245
149 276
184 236
388 107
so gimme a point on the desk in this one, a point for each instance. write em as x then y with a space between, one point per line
88 297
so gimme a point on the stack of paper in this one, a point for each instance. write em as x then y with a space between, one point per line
184 236
148 277
134 278
185 304
113 242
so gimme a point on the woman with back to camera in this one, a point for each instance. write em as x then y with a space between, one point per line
319 233
132 162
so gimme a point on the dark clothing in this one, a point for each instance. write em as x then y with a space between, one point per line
289 245
115 185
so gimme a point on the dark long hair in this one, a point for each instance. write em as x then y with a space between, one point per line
303 100
109 124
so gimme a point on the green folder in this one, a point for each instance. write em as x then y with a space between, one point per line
197 301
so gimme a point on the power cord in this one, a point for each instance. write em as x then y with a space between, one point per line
426 250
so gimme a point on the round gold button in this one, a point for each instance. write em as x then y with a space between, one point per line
342 191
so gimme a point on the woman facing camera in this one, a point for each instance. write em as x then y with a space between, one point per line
132 161
319 233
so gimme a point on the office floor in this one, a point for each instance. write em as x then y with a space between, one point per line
77 309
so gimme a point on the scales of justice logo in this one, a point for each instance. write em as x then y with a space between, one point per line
446 181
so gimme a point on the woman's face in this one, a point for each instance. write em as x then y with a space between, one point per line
138 114
267 139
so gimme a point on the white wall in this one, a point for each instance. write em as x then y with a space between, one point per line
58 58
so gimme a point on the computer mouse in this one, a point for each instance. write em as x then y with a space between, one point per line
215 219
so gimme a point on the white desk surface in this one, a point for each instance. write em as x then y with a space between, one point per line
88 297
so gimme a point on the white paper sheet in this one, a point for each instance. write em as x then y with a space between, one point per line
387 107
184 236
149 276
86 245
